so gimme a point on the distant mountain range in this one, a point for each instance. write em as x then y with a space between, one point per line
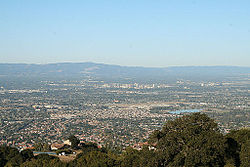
88 69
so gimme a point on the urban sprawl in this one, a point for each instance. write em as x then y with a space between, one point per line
113 113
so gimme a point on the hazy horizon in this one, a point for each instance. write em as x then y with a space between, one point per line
126 33
139 66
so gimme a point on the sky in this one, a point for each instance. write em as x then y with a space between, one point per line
150 33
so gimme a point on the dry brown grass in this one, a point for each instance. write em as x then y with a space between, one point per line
67 158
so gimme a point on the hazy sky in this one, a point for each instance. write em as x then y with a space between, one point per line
155 33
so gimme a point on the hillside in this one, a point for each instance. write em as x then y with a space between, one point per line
88 69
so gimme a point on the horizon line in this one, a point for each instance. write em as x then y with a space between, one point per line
68 62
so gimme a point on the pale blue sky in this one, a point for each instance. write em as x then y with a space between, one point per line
152 33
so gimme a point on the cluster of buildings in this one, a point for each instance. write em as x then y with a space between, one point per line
113 114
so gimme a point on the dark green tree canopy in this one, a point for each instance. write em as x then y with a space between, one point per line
192 140
74 141
240 151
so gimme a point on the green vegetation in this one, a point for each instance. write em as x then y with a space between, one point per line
191 140
44 160
74 141
10 156
42 146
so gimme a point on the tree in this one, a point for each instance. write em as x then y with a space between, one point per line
242 150
38 146
27 154
130 157
42 146
88 147
142 158
232 152
192 140
94 158
245 154
74 141
15 161
7 153
44 160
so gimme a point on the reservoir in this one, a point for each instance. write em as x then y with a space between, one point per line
50 153
184 111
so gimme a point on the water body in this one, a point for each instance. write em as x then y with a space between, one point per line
185 111
50 153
